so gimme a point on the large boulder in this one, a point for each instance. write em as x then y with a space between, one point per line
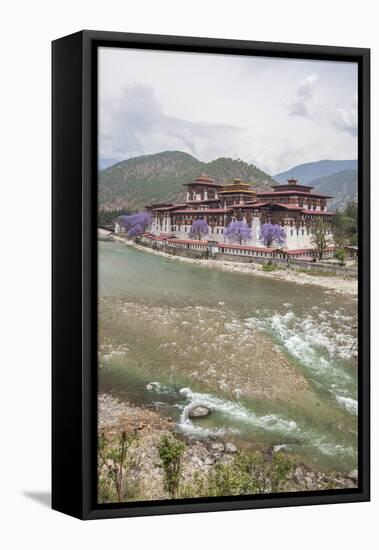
198 410
230 448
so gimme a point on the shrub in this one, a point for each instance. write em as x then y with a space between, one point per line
269 266
112 459
250 473
340 255
170 452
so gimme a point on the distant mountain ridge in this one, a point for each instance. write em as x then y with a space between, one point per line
309 171
342 186
132 183
106 163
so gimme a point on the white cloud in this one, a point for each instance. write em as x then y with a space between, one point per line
271 112
135 124
346 120
301 103
306 104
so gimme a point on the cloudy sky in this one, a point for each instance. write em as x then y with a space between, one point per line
275 113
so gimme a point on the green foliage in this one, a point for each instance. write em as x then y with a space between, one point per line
112 461
345 225
340 255
269 266
318 237
159 178
170 452
106 217
250 473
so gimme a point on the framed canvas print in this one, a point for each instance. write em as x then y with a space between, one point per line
210 274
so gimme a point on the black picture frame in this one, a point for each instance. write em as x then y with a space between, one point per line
74 272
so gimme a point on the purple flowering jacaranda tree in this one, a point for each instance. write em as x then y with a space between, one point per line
199 228
135 224
238 232
270 233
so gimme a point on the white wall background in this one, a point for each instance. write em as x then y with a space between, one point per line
27 29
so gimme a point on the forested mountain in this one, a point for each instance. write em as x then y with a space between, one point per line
132 183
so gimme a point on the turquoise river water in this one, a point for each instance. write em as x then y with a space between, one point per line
176 333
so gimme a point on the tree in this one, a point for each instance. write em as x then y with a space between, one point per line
345 225
105 217
112 456
198 229
238 232
318 236
170 452
339 230
135 224
340 255
270 233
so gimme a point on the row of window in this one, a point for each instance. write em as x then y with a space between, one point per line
202 246
297 232
248 252
218 231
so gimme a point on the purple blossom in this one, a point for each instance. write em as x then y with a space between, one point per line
270 233
135 224
199 228
135 231
238 232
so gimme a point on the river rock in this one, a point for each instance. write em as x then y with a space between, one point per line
353 475
218 447
198 411
299 475
230 448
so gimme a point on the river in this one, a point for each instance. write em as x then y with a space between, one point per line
274 361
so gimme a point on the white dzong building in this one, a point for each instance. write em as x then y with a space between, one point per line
293 206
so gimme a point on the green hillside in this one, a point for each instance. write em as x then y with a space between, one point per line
342 186
132 183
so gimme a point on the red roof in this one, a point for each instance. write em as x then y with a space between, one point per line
310 250
291 184
166 208
204 182
294 193
287 206
204 201
318 212
250 205
205 211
